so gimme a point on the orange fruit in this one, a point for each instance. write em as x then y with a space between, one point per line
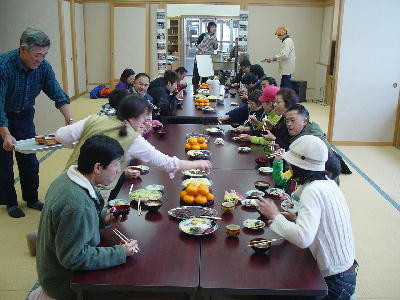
182 194
188 199
196 147
192 190
210 197
201 139
200 199
192 140
203 186
204 190
203 146
188 147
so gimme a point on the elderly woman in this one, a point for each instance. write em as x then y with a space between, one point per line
323 220
286 57
285 99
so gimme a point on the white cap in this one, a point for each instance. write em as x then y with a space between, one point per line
308 152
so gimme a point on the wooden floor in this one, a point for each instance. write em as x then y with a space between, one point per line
375 220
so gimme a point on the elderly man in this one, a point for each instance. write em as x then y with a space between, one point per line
24 73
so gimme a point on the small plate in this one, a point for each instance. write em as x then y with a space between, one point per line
274 191
255 194
187 212
236 139
214 130
155 187
199 154
290 205
195 173
208 109
249 202
145 195
198 226
265 169
244 149
253 224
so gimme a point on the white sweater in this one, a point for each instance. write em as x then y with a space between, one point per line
286 57
323 225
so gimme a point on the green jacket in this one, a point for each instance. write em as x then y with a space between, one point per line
68 234
272 116
312 128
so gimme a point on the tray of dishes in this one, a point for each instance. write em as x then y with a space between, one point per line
186 212
33 146
198 226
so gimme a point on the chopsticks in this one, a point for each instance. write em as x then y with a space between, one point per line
124 238
210 217
248 120
263 241
139 208
130 189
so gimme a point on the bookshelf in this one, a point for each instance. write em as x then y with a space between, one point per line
174 40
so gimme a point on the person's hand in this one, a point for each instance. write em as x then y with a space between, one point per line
204 165
234 85
130 173
267 208
269 60
223 118
241 128
245 137
253 119
130 248
290 216
279 154
9 142
267 124
111 219
269 136
179 95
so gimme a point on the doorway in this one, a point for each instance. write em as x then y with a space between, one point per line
193 26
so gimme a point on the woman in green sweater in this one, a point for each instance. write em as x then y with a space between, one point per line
68 234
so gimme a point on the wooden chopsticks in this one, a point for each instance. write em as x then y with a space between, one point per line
264 241
124 238
139 208
210 217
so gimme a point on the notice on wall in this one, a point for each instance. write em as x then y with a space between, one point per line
161 41
243 29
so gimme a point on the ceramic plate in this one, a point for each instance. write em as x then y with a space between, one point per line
198 226
265 169
290 205
155 187
145 195
195 173
197 181
186 212
249 202
244 149
254 193
274 191
253 224
214 130
117 202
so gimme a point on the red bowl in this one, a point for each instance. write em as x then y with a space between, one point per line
120 210
261 161
161 132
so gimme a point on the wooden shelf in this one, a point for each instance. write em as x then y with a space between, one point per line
173 35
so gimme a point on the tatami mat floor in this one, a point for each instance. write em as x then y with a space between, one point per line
375 221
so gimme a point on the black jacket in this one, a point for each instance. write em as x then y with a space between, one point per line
162 98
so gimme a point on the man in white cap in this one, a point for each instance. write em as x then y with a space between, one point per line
323 220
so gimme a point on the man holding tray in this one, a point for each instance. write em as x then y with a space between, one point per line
24 73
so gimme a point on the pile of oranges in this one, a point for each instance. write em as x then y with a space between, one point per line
198 194
193 143
204 86
202 102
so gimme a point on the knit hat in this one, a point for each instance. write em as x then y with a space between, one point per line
308 152
269 94
282 30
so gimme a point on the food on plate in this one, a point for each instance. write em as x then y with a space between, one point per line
261 185
39 139
254 194
204 86
260 245
145 195
249 202
197 181
214 130
253 224
275 192
244 149
155 187
198 154
196 193
232 196
236 139
197 226
290 205
265 170
196 143
202 102
219 141
212 97
185 212
194 173
117 202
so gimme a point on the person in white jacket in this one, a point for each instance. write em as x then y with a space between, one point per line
286 57
323 219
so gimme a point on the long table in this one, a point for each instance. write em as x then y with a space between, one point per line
187 113
171 261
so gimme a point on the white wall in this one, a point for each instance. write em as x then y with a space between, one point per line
176 10
322 69
15 17
305 26
97 31
369 64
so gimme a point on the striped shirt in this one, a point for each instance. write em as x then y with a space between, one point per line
19 88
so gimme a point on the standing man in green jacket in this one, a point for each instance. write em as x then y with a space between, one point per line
24 73
68 234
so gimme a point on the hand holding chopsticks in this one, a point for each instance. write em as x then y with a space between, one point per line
130 246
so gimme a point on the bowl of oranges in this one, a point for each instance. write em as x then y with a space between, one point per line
201 102
197 194
196 143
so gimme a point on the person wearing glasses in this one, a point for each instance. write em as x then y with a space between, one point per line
286 57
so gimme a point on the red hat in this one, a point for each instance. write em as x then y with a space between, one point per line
269 94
